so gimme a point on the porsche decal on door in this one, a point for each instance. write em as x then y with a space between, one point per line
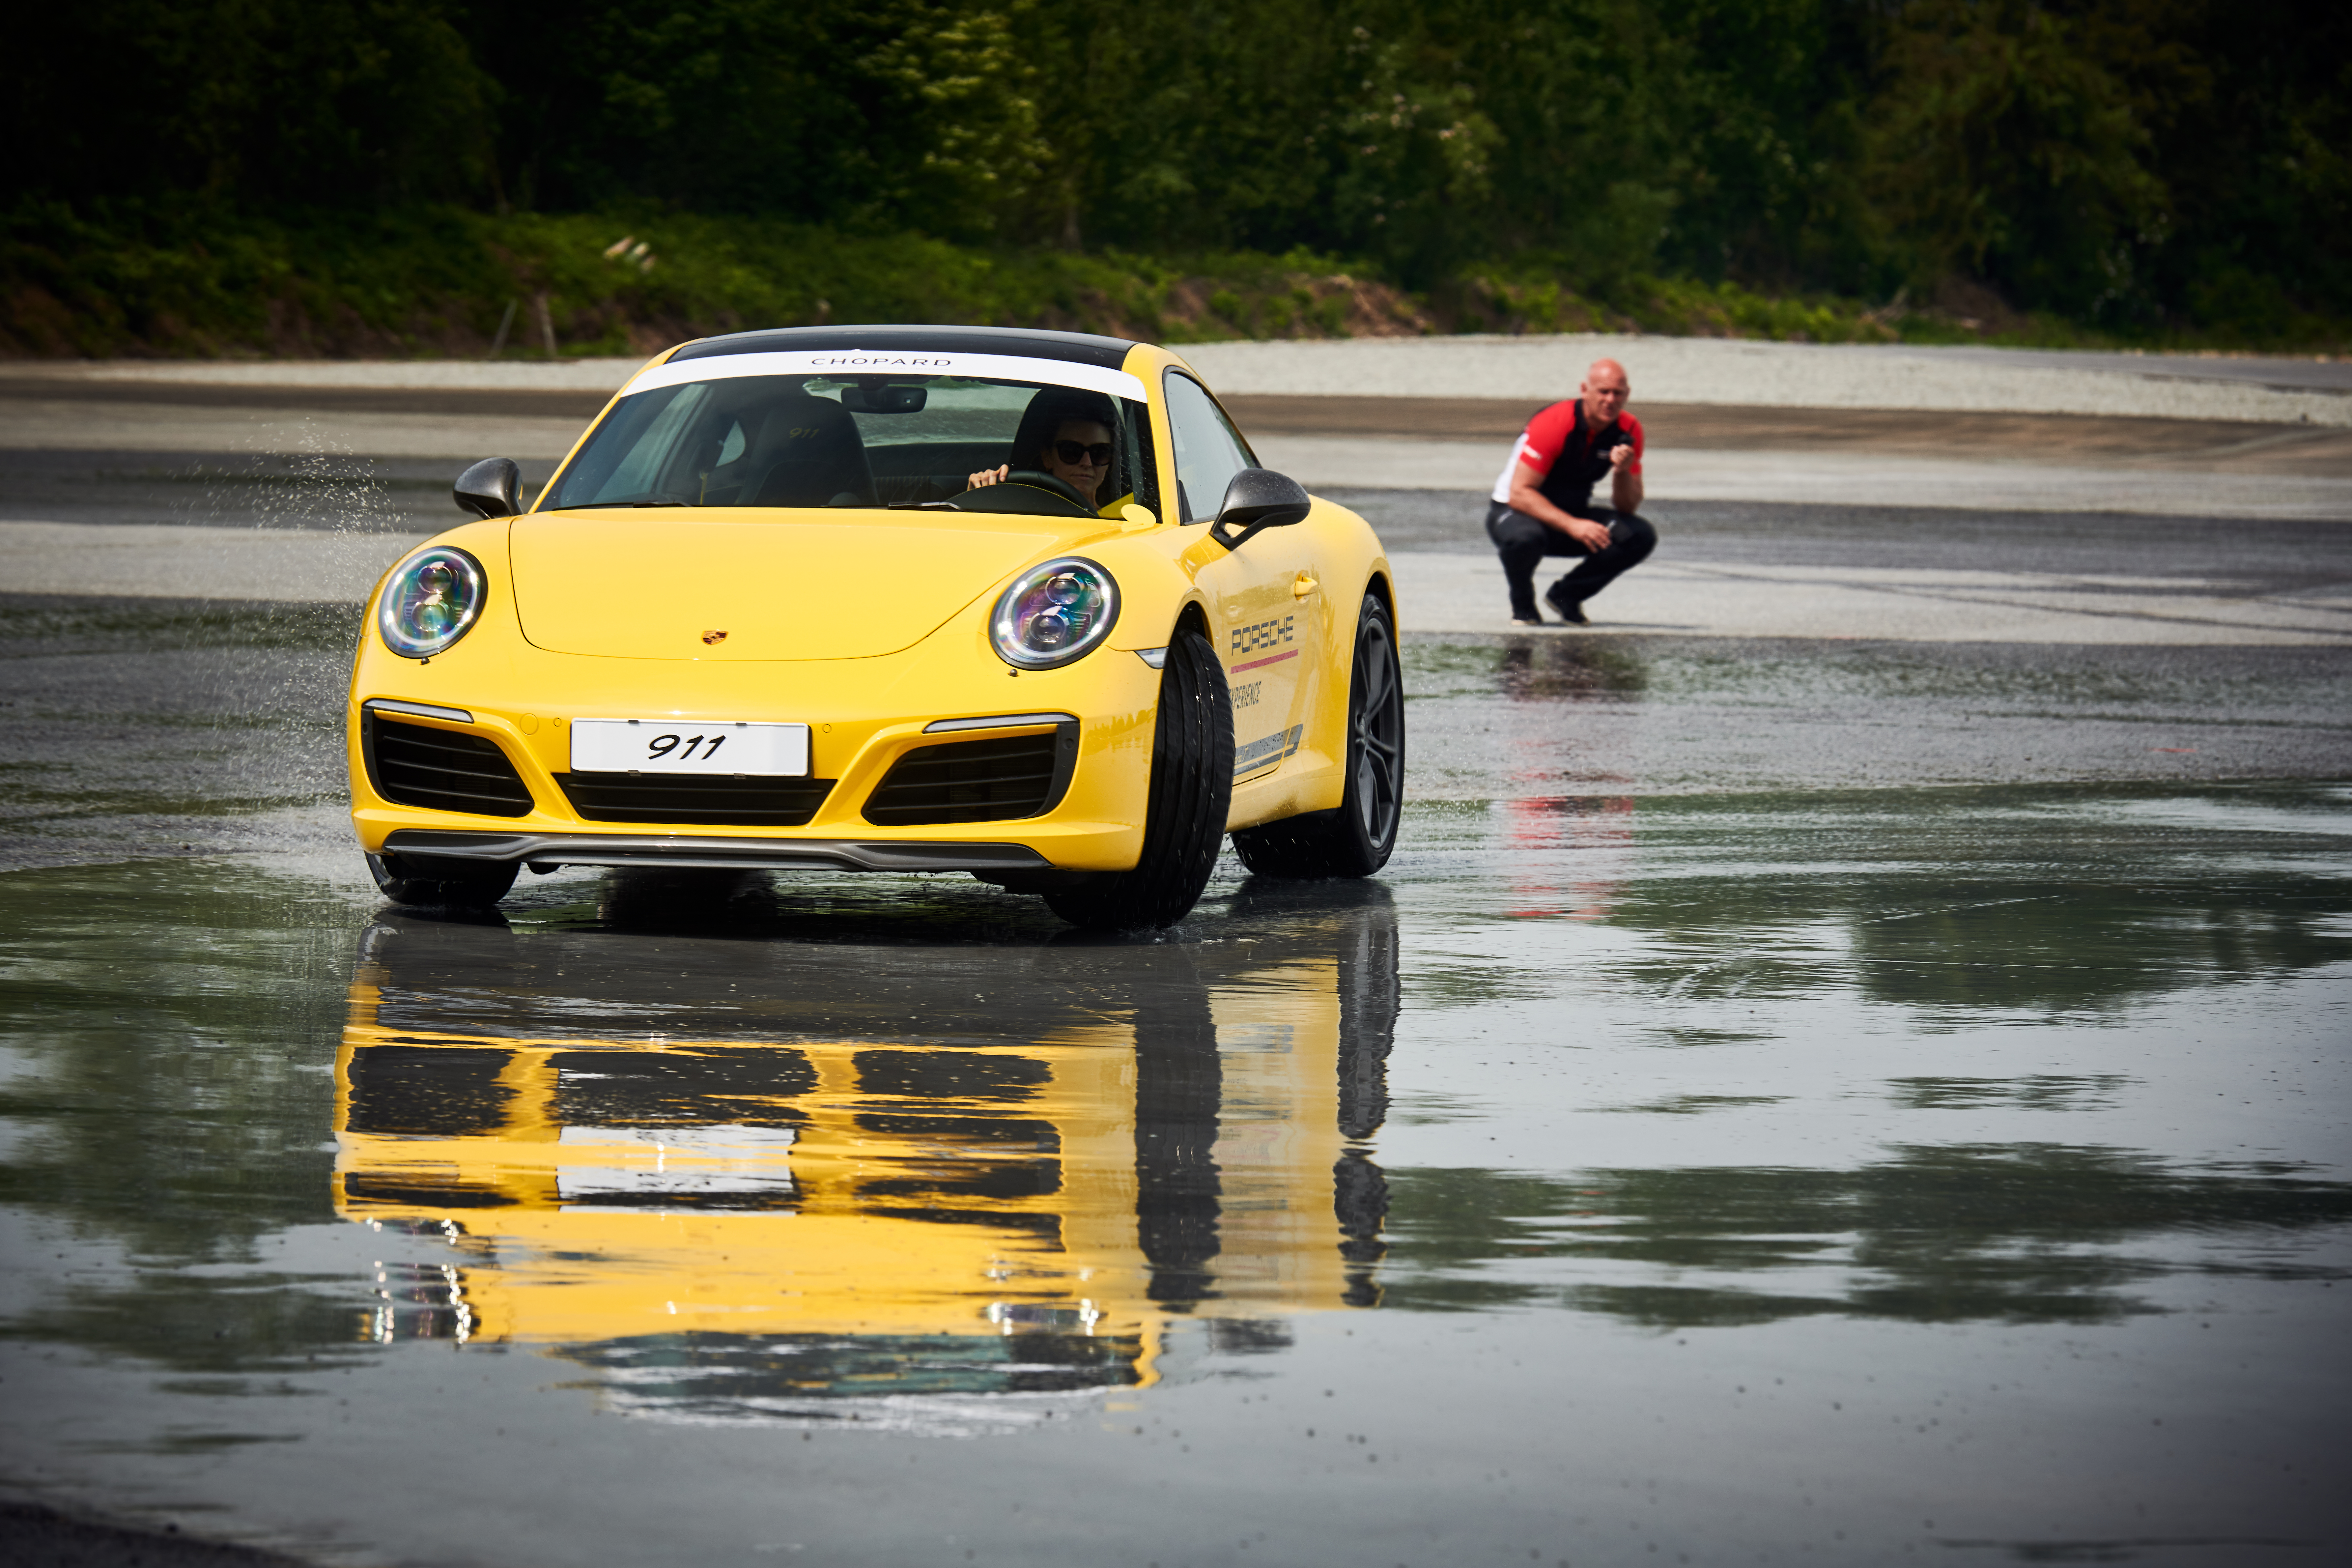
1247 640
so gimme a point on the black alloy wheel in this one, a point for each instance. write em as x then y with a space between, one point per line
1357 840
440 882
1192 792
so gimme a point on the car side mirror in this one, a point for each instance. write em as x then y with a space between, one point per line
491 488
1257 498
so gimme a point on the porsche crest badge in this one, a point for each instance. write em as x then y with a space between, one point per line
714 637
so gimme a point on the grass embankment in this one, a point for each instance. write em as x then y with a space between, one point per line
446 281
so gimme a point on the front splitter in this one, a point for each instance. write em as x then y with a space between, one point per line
729 854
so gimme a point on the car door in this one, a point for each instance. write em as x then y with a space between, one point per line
1267 591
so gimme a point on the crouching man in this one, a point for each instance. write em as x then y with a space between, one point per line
1543 502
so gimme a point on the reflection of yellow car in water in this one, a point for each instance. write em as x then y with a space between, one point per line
761 617
782 1197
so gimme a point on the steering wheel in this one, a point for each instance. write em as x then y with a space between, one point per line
1039 478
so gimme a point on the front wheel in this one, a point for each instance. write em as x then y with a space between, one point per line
1357 840
434 881
1184 819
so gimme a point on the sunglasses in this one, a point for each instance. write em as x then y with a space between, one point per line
1079 452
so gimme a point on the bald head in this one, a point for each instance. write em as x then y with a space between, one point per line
1605 392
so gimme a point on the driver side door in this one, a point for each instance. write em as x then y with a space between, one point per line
1266 593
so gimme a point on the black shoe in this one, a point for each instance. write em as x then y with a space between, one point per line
1571 610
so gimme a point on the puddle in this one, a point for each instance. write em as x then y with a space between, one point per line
1844 1174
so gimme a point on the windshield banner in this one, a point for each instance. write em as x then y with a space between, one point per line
911 363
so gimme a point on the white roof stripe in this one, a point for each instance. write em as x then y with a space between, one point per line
884 361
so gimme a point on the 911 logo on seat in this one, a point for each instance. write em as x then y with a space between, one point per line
1265 634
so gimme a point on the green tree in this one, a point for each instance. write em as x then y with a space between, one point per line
317 103
905 113
2261 168
2136 163
2013 143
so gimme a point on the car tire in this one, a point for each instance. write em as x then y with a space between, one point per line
432 881
1357 840
1184 820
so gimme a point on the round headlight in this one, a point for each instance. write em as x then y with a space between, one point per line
1053 614
432 600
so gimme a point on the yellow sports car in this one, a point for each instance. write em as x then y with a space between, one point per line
1020 604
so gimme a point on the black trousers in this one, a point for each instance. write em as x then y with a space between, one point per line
1523 541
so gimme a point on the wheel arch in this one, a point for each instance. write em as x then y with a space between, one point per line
1193 613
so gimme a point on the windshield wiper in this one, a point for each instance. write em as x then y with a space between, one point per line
591 505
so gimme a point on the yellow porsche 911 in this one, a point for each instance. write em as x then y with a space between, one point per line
1020 604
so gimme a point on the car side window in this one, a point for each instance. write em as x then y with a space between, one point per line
1209 450
632 449
1142 467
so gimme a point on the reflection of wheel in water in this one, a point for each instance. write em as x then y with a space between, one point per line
1191 790
1371 997
433 881
1357 840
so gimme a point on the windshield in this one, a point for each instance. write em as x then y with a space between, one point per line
832 440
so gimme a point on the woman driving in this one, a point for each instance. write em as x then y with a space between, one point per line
1066 436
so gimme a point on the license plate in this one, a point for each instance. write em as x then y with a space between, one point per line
661 746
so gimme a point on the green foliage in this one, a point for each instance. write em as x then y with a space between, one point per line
851 113
2141 168
180 280
341 101
1527 296
2009 144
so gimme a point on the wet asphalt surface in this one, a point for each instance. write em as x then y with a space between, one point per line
1786 1101
277 490
367 495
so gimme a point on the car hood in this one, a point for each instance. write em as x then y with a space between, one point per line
659 586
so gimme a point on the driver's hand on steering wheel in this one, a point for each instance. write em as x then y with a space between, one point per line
987 477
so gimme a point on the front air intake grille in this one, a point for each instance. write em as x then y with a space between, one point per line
443 769
703 800
976 781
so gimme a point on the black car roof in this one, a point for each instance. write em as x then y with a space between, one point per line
1081 348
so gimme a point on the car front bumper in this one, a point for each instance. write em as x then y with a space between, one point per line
864 715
